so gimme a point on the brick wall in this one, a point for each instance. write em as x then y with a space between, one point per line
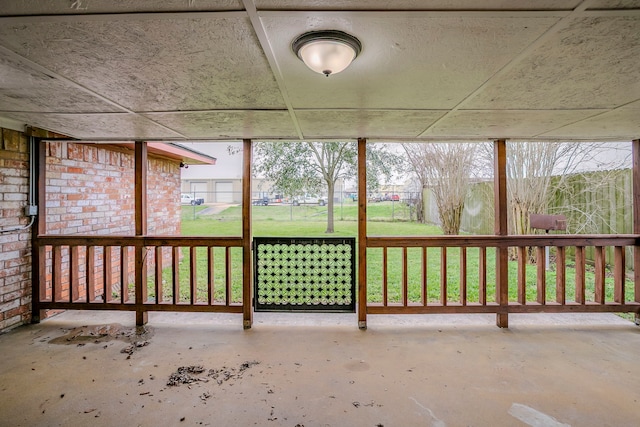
15 246
90 190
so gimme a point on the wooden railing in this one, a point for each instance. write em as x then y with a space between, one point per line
141 274
199 274
400 277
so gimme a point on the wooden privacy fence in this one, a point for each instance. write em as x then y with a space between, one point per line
468 278
140 274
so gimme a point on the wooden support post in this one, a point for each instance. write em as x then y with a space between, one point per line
362 233
140 173
247 271
500 229
37 150
635 145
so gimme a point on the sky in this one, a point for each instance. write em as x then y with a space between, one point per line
227 166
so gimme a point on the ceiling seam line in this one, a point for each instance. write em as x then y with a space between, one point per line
260 32
560 24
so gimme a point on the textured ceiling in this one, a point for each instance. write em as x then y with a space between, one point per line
429 70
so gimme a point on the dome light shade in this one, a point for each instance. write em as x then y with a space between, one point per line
326 52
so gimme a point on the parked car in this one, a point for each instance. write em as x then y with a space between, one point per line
309 199
188 199
263 201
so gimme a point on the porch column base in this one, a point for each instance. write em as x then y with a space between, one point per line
142 318
246 324
37 315
638 318
362 324
502 320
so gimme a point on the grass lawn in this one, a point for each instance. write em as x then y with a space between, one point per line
310 221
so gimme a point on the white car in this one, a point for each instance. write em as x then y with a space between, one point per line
309 199
187 199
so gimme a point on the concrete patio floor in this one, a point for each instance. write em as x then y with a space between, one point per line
321 370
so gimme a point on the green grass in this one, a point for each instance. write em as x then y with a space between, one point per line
310 221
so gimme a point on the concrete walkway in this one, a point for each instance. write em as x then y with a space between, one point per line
82 368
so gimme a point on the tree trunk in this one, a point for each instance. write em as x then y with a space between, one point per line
420 207
330 192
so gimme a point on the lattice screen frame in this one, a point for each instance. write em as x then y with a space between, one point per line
304 274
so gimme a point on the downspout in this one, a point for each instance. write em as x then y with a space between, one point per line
31 210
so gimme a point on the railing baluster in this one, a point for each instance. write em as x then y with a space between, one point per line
193 277
542 276
482 272
600 275
580 275
210 276
56 274
443 276
405 278
175 274
561 275
385 279
107 274
227 260
74 273
124 274
158 276
463 276
521 252
90 272
424 290
42 274
619 274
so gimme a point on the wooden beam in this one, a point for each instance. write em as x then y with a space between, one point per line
362 233
247 271
140 174
635 149
500 228
38 152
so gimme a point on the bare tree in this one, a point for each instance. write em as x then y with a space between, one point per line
536 170
539 171
446 169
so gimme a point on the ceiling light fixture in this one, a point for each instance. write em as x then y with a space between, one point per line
327 52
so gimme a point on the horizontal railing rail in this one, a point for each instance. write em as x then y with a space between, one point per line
140 273
402 270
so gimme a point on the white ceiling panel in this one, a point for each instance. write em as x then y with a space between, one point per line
120 126
220 69
63 7
24 87
409 60
506 123
620 125
592 62
365 123
228 124
153 62
614 4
